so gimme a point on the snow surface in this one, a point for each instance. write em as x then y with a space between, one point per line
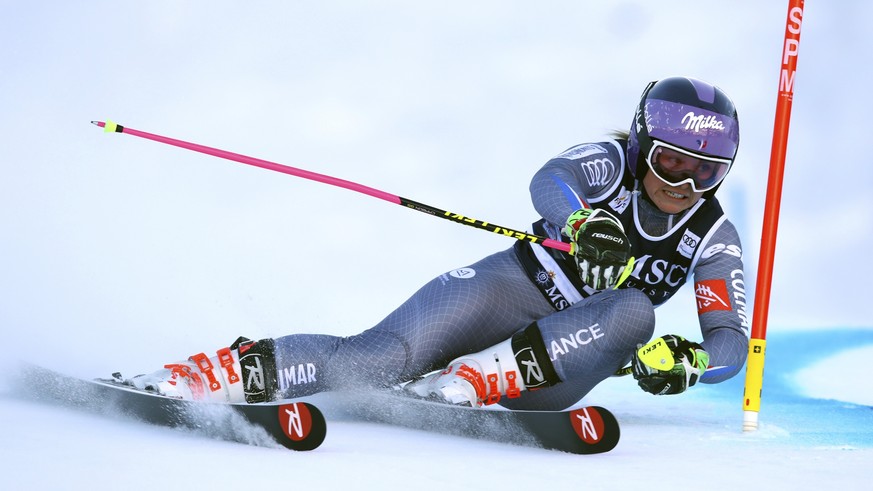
803 442
122 254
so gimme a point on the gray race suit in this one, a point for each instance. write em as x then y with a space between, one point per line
588 335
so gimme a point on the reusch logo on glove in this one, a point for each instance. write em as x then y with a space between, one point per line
598 235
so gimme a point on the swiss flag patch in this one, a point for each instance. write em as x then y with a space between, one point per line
711 295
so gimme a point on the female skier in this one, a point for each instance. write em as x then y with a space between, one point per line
640 213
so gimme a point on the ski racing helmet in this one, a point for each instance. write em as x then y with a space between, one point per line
688 116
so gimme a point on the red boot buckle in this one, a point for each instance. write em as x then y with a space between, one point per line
225 359
206 367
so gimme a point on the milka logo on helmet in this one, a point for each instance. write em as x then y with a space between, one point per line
696 123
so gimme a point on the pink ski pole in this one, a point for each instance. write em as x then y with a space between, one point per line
111 127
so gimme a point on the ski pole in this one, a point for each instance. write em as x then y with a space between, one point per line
758 342
111 127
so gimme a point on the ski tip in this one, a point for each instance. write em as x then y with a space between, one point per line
597 429
303 426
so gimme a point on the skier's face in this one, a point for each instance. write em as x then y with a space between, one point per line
668 197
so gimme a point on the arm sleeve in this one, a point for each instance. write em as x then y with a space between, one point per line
579 176
721 303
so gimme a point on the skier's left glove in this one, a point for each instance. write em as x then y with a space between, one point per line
600 247
669 365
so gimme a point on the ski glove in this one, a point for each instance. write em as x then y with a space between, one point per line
600 247
669 365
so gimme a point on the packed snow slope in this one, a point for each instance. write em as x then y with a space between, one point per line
816 433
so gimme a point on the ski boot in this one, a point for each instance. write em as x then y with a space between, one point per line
243 372
483 378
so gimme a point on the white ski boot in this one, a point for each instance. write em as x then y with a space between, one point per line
475 379
243 372
486 376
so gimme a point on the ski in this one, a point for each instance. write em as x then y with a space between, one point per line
301 425
583 430
293 424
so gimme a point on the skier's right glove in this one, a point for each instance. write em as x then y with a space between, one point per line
669 365
601 248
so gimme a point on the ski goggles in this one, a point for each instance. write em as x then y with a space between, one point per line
677 166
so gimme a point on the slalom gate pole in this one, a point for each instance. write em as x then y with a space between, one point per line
758 343
111 127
